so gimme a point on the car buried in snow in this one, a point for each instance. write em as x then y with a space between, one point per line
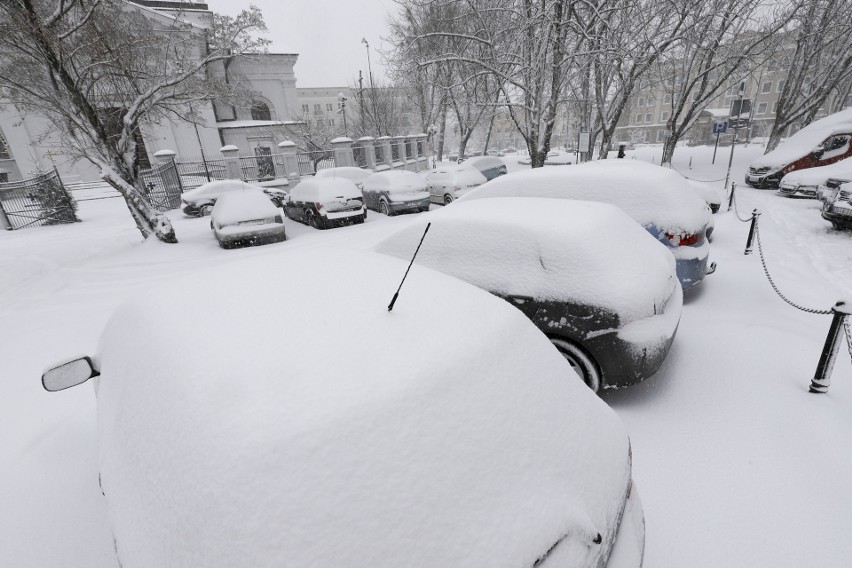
610 304
448 183
395 191
659 199
806 183
199 202
353 174
246 218
215 451
838 208
325 202
490 166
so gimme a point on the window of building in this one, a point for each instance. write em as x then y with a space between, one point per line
664 116
638 118
4 148
775 107
317 109
651 101
667 99
306 109
773 65
766 87
641 101
661 135
329 107
781 84
260 111
648 117
331 122
761 108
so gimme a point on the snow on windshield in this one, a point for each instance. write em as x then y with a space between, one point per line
324 189
243 206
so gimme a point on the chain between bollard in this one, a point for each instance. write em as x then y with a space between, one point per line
847 327
736 210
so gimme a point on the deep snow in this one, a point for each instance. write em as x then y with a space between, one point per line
737 464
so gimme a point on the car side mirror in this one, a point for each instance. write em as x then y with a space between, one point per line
69 374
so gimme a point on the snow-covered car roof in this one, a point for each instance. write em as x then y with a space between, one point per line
243 206
705 191
462 173
324 189
218 187
805 140
395 181
554 249
650 194
360 447
357 175
485 162
821 174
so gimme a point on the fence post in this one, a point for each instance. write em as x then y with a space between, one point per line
399 142
420 150
291 160
822 376
367 142
165 156
232 161
342 148
731 197
754 215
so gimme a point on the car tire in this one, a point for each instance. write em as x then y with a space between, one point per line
313 221
448 199
580 362
384 208
205 210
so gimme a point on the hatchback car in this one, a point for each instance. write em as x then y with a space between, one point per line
447 184
216 451
806 183
821 143
395 191
490 166
658 198
323 203
246 218
588 276
199 202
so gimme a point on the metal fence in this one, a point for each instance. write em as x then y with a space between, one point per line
41 200
311 162
161 186
194 172
262 167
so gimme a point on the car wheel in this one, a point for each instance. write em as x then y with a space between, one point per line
384 208
205 210
313 221
580 362
448 199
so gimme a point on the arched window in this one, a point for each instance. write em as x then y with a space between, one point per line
260 111
4 148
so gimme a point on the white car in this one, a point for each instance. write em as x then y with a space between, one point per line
708 193
355 175
395 191
602 289
806 182
446 184
325 202
246 218
199 202
359 447
659 199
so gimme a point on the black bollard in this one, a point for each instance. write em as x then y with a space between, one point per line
822 376
731 197
754 215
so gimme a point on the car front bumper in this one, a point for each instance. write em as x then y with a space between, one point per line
764 180
788 190
838 213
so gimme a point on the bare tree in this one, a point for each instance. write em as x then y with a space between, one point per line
98 70
819 52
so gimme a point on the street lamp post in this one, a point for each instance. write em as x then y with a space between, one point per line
372 87
341 98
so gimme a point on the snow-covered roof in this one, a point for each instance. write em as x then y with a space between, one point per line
219 187
272 412
547 249
324 189
462 174
718 112
651 194
358 175
805 140
243 206
819 175
395 181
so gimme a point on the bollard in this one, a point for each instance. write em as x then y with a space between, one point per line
754 215
731 197
822 376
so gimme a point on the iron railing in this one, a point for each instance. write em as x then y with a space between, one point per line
311 162
262 167
161 186
195 172
41 200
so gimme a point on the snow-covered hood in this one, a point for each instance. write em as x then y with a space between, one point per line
360 447
804 141
818 176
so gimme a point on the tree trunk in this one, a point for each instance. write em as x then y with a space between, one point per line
488 135
148 221
668 150
774 138
537 158
443 131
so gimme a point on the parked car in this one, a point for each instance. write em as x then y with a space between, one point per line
602 289
806 183
708 193
355 175
838 209
490 166
323 203
276 195
658 198
216 451
246 218
395 191
826 191
821 143
553 158
447 184
199 202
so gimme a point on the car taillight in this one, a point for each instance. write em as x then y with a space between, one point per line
679 240
318 205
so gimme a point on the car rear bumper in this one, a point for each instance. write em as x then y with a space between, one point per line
838 215
251 236
691 264
414 205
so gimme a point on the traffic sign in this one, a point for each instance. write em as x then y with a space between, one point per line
720 127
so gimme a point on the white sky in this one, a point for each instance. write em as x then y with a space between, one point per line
325 33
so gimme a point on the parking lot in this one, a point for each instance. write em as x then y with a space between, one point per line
736 463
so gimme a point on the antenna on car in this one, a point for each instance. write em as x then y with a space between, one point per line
396 294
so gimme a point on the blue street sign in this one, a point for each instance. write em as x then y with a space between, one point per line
720 127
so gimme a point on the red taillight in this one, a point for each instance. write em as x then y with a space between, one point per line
679 240
318 205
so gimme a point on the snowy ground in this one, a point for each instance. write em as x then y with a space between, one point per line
737 464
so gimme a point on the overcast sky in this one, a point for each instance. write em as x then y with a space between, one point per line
325 33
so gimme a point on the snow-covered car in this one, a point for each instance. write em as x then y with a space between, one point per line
806 183
490 166
610 304
826 191
246 218
553 158
446 184
199 202
708 193
355 175
395 191
658 198
821 143
325 202
838 209
216 451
